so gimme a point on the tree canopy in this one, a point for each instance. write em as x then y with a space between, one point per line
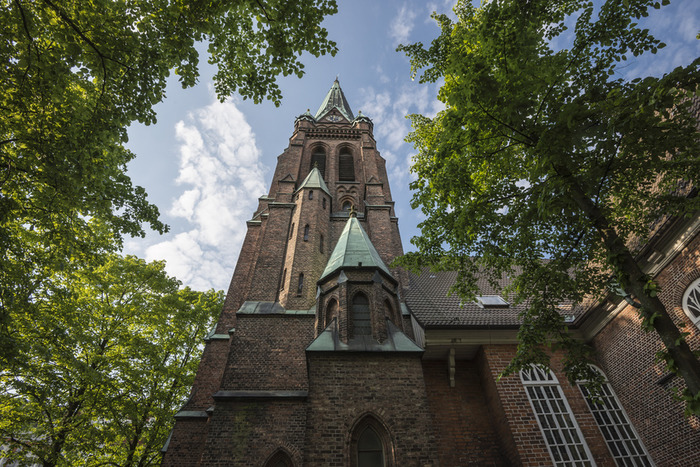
547 160
75 75
105 361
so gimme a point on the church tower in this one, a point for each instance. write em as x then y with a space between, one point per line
313 360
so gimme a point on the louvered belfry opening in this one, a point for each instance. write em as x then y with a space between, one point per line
318 159
346 166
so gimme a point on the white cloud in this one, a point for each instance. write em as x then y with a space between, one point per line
402 25
221 176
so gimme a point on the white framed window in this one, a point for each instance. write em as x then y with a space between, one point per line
559 428
620 436
691 302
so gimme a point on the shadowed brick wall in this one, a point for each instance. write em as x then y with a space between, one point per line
345 386
463 423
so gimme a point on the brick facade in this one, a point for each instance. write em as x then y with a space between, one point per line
627 356
287 375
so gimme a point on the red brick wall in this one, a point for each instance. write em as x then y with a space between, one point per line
343 387
626 355
267 353
186 443
463 423
246 433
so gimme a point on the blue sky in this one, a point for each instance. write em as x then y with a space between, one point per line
205 163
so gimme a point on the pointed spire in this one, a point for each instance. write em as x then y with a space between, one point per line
314 180
354 249
335 99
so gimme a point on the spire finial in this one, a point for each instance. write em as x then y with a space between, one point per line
353 213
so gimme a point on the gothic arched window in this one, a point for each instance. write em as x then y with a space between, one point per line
306 233
291 231
311 194
369 449
362 324
389 310
346 166
318 159
284 278
279 459
331 310
370 444
300 286
323 202
347 205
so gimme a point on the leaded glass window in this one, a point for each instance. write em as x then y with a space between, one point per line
559 428
360 315
370 452
620 436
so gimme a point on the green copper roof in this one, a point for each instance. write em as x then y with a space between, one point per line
314 180
396 341
354 249
335 99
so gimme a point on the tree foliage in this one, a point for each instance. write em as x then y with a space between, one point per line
75 75
105 361
545 151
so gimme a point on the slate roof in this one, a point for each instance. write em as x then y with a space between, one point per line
335 99
353 249
428 299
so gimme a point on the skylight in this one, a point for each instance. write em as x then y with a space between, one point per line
491 301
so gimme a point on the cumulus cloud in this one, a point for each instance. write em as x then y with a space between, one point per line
388 109
402 25
221 177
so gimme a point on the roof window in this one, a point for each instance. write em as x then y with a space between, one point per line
491 301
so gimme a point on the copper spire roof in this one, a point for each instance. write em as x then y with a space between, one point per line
314 180
354 249
335 99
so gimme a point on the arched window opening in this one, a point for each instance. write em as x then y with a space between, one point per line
323 202
331 311
291 231
279 459
311 194
318 159
320 244
284 278
346 166
554 416
370 444
620 436
306 233
300 287
362 325
347 206
691 302
370 451
388 310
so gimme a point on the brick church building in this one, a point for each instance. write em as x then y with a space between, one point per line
325 356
